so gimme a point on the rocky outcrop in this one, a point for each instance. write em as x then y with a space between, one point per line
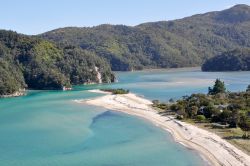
98 76
66 88
21 92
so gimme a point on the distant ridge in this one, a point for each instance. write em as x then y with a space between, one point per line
165 44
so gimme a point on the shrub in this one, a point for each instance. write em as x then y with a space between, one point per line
208 111
172 100
179 117
244 124
162 106
225 116
192 111
116 91
155 102
200 118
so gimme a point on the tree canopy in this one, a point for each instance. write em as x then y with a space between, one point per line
228 110
166 44
219 87
244 124
236 60
31 62
248 88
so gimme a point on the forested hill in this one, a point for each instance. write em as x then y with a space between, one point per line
236 60
68 56
179 43
30 62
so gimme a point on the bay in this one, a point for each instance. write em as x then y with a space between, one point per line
50 128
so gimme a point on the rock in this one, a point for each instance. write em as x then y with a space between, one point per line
21 92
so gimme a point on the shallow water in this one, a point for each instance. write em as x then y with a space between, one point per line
49 128
166 84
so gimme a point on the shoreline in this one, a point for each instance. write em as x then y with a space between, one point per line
210 146
194 68
15 94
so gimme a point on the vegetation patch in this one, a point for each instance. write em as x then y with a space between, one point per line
164 44
30 62
236 60
220 108
116 91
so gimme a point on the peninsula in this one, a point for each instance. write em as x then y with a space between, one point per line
213 148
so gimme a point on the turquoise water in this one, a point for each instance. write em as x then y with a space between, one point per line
166 84
49 128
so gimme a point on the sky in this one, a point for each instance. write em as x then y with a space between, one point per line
37 16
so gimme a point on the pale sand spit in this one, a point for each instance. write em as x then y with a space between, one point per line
209 145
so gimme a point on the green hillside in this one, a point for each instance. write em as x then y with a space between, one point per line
70 56
236 60
30 62
167 44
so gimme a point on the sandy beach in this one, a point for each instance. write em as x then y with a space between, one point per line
210 146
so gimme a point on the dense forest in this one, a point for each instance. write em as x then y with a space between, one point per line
30 62
236 60
167 44
69 56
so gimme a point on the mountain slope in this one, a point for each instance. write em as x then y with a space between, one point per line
39 64
236 60
166 44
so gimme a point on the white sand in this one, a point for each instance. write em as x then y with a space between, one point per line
99 91
211 147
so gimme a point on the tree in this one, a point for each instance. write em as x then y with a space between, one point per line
208 110
192 111
171 100
181 111
244 124
156 102
248 88
234 118
225 115
219 87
